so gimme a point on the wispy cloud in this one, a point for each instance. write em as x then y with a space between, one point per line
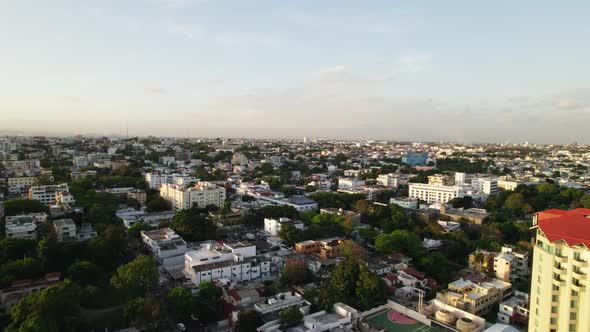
155 90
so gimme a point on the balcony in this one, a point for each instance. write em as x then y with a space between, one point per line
578 287
561 259
559 271
559 283
579 263
579 275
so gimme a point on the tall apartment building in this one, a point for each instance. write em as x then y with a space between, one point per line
48 195
201 195
434 193
560 300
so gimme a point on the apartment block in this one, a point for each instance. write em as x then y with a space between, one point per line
434 193
201 195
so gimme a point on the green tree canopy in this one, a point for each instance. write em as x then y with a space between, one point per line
290 317
136 276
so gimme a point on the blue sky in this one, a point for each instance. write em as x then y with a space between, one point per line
409 70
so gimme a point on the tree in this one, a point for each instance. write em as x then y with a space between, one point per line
370 289
181 300
295 273
399 240
144 312
23 205
136 276
289 234
192 226
53 309
290 317
248 321
157 204
84 272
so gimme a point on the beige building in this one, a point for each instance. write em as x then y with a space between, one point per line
25 181
476 298
201 195
560 300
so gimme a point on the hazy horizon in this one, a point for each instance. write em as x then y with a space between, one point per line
421 71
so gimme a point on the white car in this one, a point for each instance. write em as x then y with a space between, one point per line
181 327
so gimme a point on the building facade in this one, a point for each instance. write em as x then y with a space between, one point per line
201 195
560 300
434 193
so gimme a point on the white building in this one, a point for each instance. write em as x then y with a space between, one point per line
389 180
65 230
166 246
201 195
514 310
156 180
237 262
342 318
350 183
487 186
24 226
510 264
300 203
47 195
507 184
434 193
279 302
273 226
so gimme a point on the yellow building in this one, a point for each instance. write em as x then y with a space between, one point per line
201 195
26 181
560 300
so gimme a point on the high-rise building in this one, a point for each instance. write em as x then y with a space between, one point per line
560 300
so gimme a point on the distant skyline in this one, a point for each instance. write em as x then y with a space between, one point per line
464 71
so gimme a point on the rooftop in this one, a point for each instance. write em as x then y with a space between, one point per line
571 226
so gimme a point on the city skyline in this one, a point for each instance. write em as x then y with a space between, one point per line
415 72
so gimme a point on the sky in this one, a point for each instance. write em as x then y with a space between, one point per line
464 71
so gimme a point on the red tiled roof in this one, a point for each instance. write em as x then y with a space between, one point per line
391 277
414 273
571 226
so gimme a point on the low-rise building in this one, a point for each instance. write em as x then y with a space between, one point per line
405 202
65 230
434 193
330 248
167 247
237 262
273 226
515 310
21 288
342 317
477 299
24 226
47 195
511 264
